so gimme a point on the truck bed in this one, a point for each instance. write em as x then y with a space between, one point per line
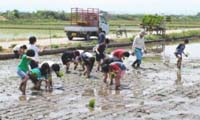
81 28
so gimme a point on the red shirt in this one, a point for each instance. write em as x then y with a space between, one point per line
118 53
115 67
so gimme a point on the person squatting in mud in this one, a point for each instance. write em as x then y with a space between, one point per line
68 57
87 60
37 75
179 51
120 54
116 71
54 67
19 50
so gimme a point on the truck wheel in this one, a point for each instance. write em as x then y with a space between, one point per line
87 36
69 36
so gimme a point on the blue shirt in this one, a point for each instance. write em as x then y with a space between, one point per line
180 48
101 37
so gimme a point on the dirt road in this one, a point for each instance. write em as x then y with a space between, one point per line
45 42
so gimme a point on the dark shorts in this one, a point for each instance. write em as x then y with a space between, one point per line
99 57
34 64
65 59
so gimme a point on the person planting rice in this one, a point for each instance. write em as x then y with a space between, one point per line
19 50
100 52
120 54
105 68
116 70
22 69
179 51
87 60
70 56
37 74
138 47
54 67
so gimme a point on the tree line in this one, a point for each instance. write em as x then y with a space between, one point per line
64 16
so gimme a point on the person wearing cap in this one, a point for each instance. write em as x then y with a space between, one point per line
138 46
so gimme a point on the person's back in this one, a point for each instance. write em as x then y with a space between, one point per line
101 37
32 46
180 48
119 53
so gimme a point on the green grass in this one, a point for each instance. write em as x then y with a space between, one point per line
17 34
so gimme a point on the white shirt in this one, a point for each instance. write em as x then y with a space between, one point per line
88 54
17 47
138 43
36 50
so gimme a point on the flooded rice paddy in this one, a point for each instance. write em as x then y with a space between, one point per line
157 91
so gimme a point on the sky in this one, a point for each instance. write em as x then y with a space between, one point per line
181 7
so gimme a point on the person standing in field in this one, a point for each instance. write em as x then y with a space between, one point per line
32 46
138 48
101 36
100 52
179 51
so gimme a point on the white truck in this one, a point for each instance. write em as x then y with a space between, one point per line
86 23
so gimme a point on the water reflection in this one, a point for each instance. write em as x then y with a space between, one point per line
178 81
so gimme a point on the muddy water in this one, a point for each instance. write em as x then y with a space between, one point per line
156 91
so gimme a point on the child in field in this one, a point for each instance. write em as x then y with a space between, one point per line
116 71
19 50
32 46
179 51
37 74
54 67
70 56
87 60
23 69
100 52
105 67
120 54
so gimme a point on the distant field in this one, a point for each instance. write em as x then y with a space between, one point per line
15 30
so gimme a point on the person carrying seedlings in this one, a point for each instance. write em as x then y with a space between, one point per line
117 71
23 68
70 56
179 51
87 60
105 68
54 67
120 54
32 46
37 74
100 52
138 46
19 50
